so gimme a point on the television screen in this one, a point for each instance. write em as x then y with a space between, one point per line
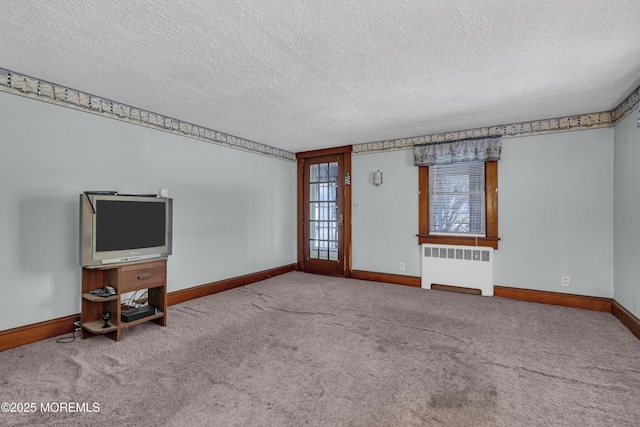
124 228
124 225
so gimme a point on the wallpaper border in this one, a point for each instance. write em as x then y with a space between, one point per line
30 87
34 88
535 127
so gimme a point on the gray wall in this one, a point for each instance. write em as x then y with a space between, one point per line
626 207
555 213
385 218
234 212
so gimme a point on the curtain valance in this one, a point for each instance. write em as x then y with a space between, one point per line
466 150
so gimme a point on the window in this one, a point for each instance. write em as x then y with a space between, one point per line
456 199
459 204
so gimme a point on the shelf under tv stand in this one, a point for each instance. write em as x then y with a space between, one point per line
150 275
96 327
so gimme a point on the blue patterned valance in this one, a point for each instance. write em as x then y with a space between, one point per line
466 150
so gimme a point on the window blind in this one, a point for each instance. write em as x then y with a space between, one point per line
457 198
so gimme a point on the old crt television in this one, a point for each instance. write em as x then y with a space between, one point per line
120 229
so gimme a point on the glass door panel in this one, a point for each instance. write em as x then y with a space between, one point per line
323 217
323 210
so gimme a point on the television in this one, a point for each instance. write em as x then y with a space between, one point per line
116 229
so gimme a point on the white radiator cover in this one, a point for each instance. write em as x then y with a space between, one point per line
462 266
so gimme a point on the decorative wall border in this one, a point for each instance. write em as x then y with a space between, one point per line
627 106
30 87
535 127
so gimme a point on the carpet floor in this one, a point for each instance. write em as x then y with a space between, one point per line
306 350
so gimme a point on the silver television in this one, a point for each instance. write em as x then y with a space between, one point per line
118 229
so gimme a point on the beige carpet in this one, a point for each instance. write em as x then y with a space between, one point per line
305 350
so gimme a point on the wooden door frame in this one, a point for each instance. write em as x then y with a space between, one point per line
318 264
301 157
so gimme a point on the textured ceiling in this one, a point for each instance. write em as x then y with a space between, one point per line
301 75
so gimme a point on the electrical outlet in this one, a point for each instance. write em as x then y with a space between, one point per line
566 281
402 266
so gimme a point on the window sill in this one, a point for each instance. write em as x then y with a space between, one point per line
491 242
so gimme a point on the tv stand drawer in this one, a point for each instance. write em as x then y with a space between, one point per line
141 277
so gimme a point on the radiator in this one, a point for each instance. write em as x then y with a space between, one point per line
462 266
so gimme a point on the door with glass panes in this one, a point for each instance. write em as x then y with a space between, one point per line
323 215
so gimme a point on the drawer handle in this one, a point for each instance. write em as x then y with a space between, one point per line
144 276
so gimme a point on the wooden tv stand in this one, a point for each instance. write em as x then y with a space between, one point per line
150 275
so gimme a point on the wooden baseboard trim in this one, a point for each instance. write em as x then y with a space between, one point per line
396 279
584 302
626 317
28 334
554 298
183 295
